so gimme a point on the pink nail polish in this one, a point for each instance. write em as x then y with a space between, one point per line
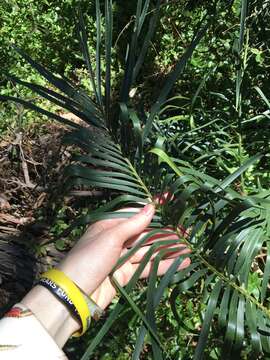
147 210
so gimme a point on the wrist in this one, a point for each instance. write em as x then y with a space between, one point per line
52 314
102 294
77 275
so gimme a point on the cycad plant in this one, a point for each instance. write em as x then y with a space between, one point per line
122 150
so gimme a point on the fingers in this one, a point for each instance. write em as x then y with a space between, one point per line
163 267
106 292
134 225
176 250
102 225
125 272
157 237
164 198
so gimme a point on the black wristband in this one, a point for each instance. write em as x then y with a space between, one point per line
60 294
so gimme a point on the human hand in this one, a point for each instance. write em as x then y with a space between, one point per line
92 259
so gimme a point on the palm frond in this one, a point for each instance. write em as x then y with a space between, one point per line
226 230
171 79
102 152
85 51
229 246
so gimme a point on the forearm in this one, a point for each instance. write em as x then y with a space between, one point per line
52 314
55 316
41 317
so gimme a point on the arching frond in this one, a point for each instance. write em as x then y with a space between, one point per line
225 230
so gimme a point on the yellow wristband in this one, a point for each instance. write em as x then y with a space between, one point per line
75 295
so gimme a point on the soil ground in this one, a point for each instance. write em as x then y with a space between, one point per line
30 164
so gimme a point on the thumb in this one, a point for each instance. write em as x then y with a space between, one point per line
136 224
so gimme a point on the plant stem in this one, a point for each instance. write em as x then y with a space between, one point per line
229 282
139 179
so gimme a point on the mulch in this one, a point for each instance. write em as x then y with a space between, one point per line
30 164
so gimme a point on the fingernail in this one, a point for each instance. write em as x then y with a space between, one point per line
147 210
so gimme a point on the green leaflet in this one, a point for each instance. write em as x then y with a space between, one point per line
108 52
136 310
113 316
266 274
252 325
165 158
126 188
240 171
208 316
102 163
226 230
83 40
81 171
38 109
263 96
64 85
54 97
172 77
155 298
148 37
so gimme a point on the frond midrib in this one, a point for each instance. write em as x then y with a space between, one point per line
224 278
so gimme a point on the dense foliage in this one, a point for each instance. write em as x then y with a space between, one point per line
178 96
